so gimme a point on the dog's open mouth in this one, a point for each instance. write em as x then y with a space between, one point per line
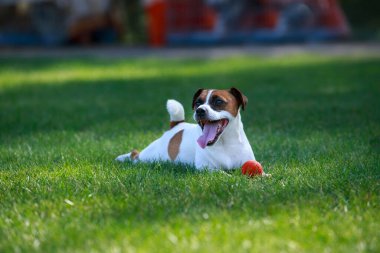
211 131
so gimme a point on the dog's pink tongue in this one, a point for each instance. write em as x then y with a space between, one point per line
209 133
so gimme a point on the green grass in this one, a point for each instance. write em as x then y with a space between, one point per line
313 122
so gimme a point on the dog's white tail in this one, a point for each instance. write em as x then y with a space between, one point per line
175 110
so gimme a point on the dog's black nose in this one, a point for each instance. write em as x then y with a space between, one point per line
200 112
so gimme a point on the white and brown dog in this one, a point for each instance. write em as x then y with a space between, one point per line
218 141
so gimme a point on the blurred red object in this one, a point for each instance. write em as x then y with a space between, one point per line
189 15
217 21
266 19
156 10
165 16
332 16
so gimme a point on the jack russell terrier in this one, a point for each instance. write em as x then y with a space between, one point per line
218 141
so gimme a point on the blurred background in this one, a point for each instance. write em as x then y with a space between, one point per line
166 23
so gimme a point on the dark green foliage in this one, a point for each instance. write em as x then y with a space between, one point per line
364 14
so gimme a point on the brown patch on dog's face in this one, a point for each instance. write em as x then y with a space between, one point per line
199 98
224 100
221 100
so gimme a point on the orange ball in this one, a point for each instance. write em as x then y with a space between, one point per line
252 168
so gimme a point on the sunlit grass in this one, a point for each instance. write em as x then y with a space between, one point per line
57 72
313 122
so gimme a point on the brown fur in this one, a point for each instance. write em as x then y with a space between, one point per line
174 123
232 105
202 94
241 99
134 154
174 143
233 97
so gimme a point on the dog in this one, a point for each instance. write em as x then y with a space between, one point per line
216 142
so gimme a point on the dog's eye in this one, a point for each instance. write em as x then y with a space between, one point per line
198 103
218 102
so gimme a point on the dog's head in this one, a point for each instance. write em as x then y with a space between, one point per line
214 110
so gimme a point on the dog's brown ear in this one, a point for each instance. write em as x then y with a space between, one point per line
196 95
241 99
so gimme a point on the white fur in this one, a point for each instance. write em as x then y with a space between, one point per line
208 96
231 150
175 110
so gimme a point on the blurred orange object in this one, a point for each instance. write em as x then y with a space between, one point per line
209 19
156 10
333 17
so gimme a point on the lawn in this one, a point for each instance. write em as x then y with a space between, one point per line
313 122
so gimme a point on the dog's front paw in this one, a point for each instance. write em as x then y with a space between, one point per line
123 158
